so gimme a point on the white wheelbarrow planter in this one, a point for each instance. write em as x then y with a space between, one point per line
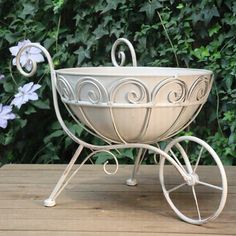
134 107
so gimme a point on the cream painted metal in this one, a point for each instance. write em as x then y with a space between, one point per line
134 107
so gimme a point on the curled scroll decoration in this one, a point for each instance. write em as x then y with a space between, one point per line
170 91
107 162
200 89
65 89
108 153
121 54
129 91
90 89
197 94
176 93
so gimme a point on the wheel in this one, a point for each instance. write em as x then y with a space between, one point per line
198 198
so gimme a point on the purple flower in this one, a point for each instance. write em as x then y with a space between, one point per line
29 54
26 93
2 77
5 115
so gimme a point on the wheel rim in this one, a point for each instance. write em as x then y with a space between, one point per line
195 181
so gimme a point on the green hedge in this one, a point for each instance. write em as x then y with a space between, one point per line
198 34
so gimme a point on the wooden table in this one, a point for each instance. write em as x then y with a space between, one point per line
96 204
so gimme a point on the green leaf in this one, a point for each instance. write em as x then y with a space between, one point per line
180 6
78 129
214 29
112 5
56 125
100 31
8 87
20 122
229 82
11 37
82 54
58 4
42 104
30 110
234 8
227 161
48 158
68 142
150 7
209 13
128 153
29 9
49 42
6 138
232 139
102 157
55 134
201 53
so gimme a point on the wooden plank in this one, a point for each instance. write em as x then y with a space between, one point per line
106 204
103 187
125 168
145 176
102 214
133 199
68 233
96 170
56 167
121 225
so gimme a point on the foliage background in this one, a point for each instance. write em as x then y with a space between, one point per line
174 33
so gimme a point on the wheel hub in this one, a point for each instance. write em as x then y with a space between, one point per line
192 179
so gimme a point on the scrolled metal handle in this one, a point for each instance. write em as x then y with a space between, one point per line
54 85
121 54
33 63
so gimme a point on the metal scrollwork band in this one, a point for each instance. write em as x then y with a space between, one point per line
129 90
133 92
96 92
66 91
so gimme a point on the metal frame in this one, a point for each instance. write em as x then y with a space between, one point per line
197 94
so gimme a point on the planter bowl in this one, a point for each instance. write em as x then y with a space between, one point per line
134 104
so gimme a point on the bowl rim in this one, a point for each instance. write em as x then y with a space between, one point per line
130 71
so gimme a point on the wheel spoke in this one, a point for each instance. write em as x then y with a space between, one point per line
198 159
185 157
177 160
197 206
210 185
176 187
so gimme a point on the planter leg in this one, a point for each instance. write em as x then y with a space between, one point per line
61 184
132 180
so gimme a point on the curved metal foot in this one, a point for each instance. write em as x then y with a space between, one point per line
131 182
49 202
67 175
64 180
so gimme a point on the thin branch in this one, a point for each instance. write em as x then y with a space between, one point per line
217 109
168 37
